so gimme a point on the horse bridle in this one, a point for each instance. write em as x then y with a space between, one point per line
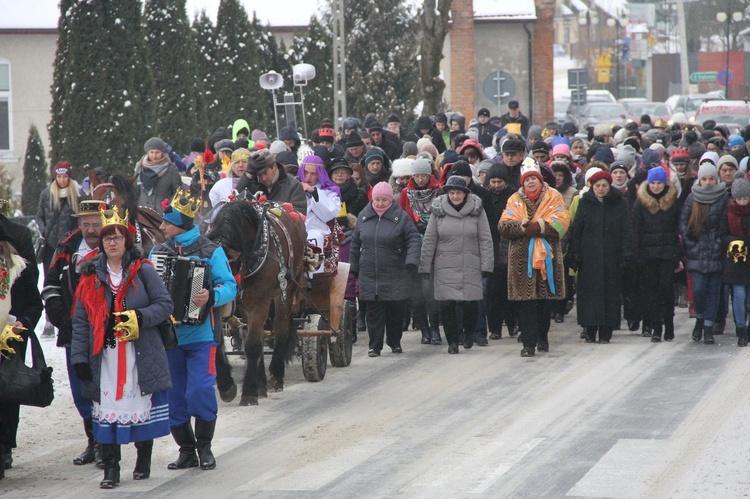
107 195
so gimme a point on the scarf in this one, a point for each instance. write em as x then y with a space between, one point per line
735 215
550 210
151 173
374 178
533 196
91 293
420 200
709 194
381 211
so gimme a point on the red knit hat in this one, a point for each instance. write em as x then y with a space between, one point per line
602 175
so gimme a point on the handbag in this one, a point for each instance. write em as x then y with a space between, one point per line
168 333
24 385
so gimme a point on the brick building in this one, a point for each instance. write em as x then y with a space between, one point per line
501 50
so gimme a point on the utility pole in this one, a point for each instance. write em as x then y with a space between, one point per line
684 78
339 64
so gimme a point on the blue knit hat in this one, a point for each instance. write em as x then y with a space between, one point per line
657 174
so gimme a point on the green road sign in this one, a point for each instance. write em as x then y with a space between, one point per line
705 76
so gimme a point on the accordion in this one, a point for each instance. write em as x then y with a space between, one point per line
184 278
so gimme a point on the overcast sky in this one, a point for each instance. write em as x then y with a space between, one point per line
44 13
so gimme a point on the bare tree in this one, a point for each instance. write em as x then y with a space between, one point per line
434 24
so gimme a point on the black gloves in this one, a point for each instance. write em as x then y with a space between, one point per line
83 371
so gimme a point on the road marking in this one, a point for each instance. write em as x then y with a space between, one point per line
623 471
478 459
318 474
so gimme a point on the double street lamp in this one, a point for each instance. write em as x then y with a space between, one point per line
724 17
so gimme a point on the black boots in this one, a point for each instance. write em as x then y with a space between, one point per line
143 462
741 336
2 458
185 438
656 332
708 335
698 330
436 339
204 434
453 348
87 456
6 462
111 457
426 336
668 328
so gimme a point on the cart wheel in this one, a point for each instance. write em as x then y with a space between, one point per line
341 349
314 356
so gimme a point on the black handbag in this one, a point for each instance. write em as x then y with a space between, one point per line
168 333
24 385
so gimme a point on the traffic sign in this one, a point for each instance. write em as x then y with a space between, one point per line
499 87
705 76
578 78
602 75
578 97
603 61
724 76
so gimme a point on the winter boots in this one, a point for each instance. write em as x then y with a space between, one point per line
88 454
669 328
698 330
204 434
143 461
708 335
111 458
426 336
656 332
184 437
436 339
742 336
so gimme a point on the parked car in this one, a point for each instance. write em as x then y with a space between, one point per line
592 96
688 104
612 113
655 110
735 114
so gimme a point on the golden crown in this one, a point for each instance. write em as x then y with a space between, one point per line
114 219
185 203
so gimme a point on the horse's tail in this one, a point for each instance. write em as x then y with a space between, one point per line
291 342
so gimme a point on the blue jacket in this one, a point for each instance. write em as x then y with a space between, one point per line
147 295
225 287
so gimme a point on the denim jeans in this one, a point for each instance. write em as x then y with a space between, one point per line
706 289
739 304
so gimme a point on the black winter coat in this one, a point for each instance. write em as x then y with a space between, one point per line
500 245
601 244
381 249
26 304
655 224
705 253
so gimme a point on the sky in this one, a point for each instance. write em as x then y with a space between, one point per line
44 13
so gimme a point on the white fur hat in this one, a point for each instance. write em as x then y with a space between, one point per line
401 167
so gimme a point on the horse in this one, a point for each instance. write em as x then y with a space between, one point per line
119 190
265 245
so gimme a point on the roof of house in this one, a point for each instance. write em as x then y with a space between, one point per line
494 10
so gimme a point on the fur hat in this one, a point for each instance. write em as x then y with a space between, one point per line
602 129
740 186
401 167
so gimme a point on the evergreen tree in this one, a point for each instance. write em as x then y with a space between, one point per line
171 53
204 44
107 115
382 72
236 91
59 85
315 47
34 173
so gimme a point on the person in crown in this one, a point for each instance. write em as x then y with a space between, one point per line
192 363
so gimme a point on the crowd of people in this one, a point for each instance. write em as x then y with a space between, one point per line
489 228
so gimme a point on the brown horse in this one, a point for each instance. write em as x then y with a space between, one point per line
119 190
267 250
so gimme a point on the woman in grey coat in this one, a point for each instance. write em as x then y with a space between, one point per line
457 248
157 177
384 254
117 351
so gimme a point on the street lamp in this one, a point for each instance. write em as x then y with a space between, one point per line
724 17
588 18
619 42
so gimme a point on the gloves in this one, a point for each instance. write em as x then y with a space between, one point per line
8 334
83 371
410 267
486 274
532 229
128 326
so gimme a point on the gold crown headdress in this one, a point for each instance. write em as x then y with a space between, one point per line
185 203
114 219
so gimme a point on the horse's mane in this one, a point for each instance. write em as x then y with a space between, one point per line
128 192
228 229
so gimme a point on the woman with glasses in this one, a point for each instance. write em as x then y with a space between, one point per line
117 351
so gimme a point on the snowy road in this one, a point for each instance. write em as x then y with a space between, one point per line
631 419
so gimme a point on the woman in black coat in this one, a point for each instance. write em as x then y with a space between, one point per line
385 252
655 217
601 246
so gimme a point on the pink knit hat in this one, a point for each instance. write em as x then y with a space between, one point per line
561 150
382 190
